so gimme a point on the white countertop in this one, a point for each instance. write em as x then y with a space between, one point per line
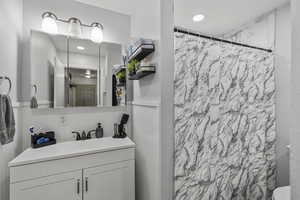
70 149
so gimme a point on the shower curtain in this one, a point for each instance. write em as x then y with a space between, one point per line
224 121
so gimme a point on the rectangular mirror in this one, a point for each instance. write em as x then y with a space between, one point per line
73 72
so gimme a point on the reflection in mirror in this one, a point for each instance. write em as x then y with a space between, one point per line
83 58
72 72
83 87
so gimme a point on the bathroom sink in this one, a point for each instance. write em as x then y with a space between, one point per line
71 149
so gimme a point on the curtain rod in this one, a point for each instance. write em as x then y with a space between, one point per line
180 30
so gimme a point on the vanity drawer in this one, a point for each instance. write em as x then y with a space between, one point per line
52 167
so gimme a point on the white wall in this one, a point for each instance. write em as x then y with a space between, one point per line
295 99
145 15
146 131
146 136
273 31
64 121
259 32
146 107
145 18
283 58
10 58
167 100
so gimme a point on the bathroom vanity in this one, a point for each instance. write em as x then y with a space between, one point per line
91 170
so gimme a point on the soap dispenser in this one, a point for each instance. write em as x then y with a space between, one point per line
99 131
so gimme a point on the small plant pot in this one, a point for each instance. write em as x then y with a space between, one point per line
132 73
122 80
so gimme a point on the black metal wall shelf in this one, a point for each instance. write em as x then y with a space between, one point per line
121 85
142 52
142 73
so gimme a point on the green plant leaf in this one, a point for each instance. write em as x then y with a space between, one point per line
121 75
132 65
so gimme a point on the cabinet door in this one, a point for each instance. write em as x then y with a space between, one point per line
67 186
109 182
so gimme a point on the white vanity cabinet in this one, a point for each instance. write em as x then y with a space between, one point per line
62 186
100 169
109 182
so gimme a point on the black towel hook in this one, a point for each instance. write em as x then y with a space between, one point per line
10 83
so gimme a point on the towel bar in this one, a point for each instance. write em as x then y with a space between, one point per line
10 84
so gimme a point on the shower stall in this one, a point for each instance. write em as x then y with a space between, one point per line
224 119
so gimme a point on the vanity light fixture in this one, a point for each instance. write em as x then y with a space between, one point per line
74 27
198 18
97 32
49 25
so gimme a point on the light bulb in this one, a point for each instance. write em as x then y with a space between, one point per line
49 24
74 27
97 33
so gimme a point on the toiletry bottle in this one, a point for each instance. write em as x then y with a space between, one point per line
99 131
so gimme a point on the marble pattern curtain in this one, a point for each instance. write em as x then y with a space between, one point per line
224 121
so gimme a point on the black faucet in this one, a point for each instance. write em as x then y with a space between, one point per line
83 136
89 135
78 137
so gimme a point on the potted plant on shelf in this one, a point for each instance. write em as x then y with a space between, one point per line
121 76
132 67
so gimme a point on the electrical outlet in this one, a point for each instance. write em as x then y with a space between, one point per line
63 120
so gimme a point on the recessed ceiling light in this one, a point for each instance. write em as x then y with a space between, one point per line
198 18
80 48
